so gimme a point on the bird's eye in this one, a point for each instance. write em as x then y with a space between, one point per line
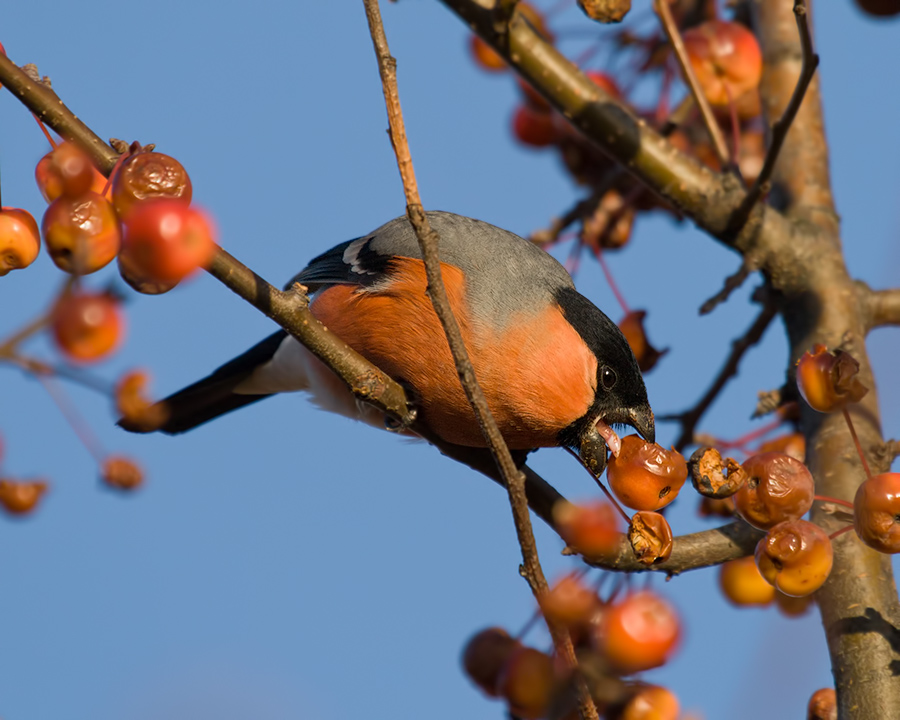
608 377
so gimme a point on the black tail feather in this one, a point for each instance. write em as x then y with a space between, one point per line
212 396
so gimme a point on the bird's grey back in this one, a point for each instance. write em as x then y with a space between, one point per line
505 273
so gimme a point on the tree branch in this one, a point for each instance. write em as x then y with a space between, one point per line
779 131
882 307
428 242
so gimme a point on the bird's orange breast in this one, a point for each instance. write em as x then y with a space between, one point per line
536 372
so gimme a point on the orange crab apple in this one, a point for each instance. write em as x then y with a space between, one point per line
121 473
743 584
526 683
777 488
823 702
645 476
876 512
166 240
796 557
590 529
632 327
726 59
67 170
651 702
20 240
533 127
569 602
87 326
148 175
638 633
21 498
484 656
82 234
828 381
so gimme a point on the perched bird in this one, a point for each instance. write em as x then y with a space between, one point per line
555 369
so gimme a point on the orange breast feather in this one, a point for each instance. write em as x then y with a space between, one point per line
537 373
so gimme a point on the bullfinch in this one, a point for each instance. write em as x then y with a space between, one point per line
555 369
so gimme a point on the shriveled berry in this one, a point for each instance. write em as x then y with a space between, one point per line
21 498
650 536
777 488
121 473
133 405
81 234
149 175
67 170
828 381
712 477
876 512
796 557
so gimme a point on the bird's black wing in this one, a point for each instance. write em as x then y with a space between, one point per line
354 262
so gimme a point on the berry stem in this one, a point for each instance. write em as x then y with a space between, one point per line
611 281
606 492
836 501
837 533
75 420
859 449
44 130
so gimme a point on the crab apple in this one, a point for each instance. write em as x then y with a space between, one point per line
133 405
793 444
121 473
605 82
712 477
777 488
167 240
645 476
650 536
484 656
139 283
793 607
147 175
876 512
87 326
796 557
67 170
822 705
879 8
726 59
743 584
828 381
638 633
526 682
569 602
20 498
82 234
651 702
20 240
485 56
589 529
533 127
712 507
632 327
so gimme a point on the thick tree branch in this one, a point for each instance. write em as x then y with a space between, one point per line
779 132
882 307
801 182
689 552
710 199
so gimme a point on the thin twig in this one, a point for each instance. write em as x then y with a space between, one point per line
709 119
732 283
739 346
428 242
810 61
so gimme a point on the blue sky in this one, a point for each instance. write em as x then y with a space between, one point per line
285 563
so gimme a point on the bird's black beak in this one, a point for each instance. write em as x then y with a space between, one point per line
642 420
593 447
